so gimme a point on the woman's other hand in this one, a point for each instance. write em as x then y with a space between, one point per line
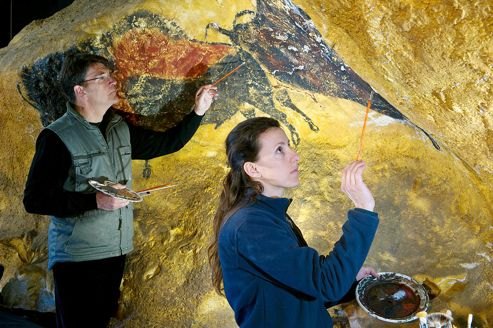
365 272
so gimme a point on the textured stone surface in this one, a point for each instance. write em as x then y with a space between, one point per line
431 59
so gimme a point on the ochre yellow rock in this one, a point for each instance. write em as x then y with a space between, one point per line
430 59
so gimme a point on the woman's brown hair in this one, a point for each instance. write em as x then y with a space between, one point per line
242 145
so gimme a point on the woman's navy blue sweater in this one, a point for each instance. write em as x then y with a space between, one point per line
272 279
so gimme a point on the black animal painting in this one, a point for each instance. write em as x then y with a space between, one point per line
159 68
157 94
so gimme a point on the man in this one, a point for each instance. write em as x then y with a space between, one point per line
90 233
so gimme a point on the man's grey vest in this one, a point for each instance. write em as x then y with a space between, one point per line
95 234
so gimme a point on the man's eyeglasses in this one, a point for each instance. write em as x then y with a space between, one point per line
100 78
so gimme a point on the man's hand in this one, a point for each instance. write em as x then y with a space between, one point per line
109 203
353 186
204 98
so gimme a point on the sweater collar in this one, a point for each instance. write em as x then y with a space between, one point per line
72 111
278 205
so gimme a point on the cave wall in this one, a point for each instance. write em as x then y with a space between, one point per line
428 62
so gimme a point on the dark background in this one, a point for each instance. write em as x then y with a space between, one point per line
16 14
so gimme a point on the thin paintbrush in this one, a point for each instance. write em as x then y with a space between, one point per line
145 192
360 150
228 74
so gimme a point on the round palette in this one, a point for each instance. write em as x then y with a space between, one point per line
109 188
392 297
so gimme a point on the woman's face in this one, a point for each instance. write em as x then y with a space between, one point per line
277 164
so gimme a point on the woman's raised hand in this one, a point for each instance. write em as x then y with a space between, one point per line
353 186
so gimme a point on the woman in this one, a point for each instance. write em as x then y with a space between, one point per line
271 277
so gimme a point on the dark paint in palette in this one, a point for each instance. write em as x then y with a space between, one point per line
392 300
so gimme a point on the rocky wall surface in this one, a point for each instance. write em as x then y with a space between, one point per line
312 65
